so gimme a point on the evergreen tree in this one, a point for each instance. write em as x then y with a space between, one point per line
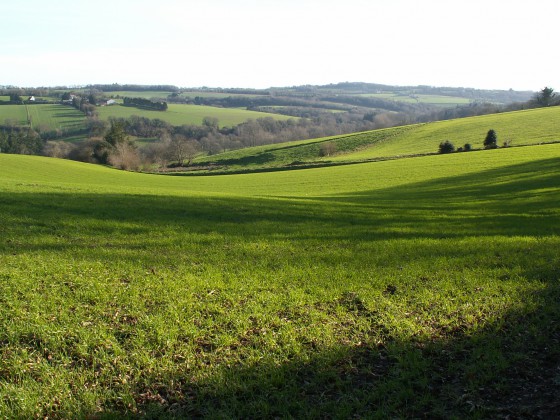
491 140
116 134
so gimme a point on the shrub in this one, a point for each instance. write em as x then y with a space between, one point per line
327 148
467 147
446 147
125 156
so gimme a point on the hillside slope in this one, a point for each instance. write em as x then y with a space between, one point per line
519 128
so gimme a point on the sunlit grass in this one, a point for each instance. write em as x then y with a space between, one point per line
179 114
517 128
410 288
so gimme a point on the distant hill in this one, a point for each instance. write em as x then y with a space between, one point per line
518 128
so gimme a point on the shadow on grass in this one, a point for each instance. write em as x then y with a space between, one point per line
508 369
520 200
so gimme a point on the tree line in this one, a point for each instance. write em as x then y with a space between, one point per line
144 103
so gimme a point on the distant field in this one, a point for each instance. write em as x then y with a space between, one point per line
56 116
14 113
188 114
160 94
138 94
51 116
215 95
424 99
521 128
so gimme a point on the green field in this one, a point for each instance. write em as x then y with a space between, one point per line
424 287
50 117
185 94
419 98
147 94
13 114
187 114
520 128
217 95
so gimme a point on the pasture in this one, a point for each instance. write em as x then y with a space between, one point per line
423 287
178 114
46 117
146 94
420 98
519 128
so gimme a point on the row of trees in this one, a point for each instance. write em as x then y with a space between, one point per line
490 142
145 103
21 141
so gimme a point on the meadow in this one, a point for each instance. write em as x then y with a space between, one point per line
48 116
519 128
178 114
184 94
423 287
420 98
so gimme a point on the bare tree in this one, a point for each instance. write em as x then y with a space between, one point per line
183 150
327 149
125 156
58 149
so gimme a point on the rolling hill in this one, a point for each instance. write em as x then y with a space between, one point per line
422 287
519 128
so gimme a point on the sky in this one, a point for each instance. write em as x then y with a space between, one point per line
484 44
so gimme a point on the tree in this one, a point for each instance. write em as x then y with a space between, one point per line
182 150
15 98
491 140
125 156
446 147
328 148
545 97
58 149
210 122
116 134
467 147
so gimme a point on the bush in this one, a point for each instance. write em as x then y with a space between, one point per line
467 147
327 149
125 156
446 147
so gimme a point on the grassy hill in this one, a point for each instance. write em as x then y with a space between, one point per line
423 287
527 127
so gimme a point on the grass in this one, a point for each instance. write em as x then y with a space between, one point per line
187 114
419 98
217 95
51 116
423 287
147 94
159 94
520 128
13 113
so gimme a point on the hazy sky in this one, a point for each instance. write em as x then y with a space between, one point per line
261 43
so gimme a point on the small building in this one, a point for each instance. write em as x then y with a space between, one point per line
111 102
31 99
